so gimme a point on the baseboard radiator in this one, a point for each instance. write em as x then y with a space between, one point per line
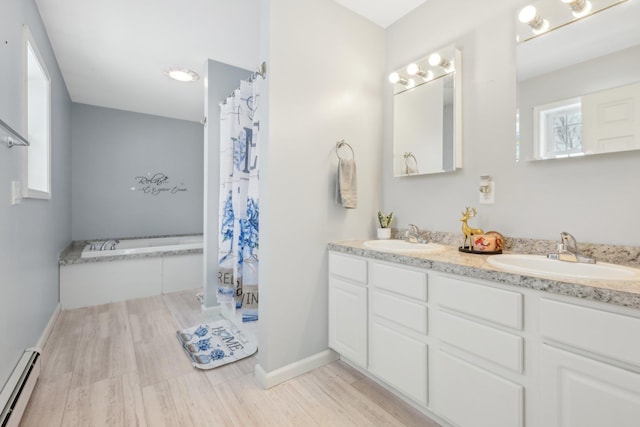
17 391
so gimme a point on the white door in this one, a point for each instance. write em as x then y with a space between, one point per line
399 360
611 120
580 392
470 396
348 320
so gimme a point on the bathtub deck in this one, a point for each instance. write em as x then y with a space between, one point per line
120 364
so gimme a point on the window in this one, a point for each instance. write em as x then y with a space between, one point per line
37 174
559 128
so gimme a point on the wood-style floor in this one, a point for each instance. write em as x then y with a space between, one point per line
120 364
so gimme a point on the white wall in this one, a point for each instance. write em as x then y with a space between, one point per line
594 198
33 232
113 147
324 84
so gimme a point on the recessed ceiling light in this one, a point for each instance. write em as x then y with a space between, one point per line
182 74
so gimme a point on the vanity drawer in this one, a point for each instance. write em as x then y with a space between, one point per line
400 281
484 302
348 267
497 346
602 332
406 313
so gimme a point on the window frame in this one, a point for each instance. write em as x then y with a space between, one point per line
30 44
544 128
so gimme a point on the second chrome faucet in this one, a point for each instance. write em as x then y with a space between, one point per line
568 250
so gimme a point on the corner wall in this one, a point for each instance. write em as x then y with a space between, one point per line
592 197
324 84
115 151
35 231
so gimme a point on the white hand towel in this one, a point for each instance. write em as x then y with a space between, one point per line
347 183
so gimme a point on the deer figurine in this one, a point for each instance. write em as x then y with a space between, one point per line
467 214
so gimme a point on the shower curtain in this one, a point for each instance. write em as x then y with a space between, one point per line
239 201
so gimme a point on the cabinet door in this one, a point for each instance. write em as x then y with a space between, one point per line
348 320
399 360
470 396
580 392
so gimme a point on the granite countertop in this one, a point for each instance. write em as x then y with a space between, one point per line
450 260
71 254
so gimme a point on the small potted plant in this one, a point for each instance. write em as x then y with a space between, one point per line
384 231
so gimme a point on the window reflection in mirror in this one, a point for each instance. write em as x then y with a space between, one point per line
577 84
38 102
426 115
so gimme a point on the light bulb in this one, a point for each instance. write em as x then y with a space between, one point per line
428 75
412 69
394 77
527 14
544 26
410 83
435 60
579 8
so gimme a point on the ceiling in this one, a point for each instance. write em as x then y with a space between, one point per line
381 12
113 53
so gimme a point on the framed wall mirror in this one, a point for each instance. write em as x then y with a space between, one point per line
427 114
578 65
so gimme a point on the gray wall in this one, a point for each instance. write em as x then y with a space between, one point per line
35 231
221 81
111 148
593 197
324 84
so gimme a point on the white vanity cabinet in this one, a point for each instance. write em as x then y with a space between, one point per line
590 366
477 353
478 328
348 307
397 339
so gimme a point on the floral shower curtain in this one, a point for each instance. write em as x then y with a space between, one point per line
239 201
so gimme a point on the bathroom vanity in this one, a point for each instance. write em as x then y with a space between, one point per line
476 346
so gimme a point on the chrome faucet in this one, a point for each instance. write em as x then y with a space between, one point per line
413 234
568 250
112 242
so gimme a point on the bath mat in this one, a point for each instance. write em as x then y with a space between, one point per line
213 344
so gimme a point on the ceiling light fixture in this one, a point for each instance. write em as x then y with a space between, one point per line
182 74
529 15
579 8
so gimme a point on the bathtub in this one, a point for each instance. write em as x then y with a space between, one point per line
142 246
135 268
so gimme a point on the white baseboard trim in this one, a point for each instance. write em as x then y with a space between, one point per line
210 311
47 330
280 375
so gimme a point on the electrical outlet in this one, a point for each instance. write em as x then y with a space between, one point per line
487 193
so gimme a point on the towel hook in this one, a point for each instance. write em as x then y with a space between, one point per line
343 143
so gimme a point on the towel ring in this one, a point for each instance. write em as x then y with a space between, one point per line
343 143
408 169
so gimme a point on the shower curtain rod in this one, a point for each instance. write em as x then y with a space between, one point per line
261 71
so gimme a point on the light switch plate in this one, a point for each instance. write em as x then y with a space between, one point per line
16 192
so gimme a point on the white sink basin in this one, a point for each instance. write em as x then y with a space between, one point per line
538 264
402 246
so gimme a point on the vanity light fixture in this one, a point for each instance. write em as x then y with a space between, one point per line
529 15
415 70
436 60
396 78
579 8
182 74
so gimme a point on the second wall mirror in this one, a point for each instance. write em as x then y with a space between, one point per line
427 125
578 78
